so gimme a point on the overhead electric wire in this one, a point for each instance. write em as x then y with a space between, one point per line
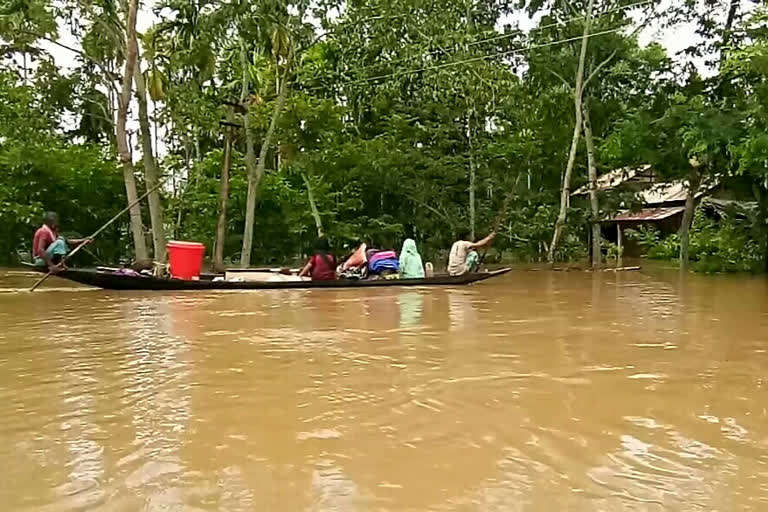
496 37
565 22
473 59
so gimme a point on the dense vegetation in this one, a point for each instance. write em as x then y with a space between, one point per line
273 120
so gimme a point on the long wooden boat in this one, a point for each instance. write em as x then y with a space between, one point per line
113 281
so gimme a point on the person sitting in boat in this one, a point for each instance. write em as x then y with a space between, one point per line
411 266
48 247
464 257
322 264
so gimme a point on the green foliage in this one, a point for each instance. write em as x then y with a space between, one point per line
388 109
528 231
716 245
724 246
610 249
41 170
653 244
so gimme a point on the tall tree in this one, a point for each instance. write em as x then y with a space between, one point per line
747 73
250 161
596 252
221 224
151 173
282 49
608 22
123 148
313 206
578 94
691 189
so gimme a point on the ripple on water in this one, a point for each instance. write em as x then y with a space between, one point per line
543 392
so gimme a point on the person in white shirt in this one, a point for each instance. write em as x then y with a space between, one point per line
464 258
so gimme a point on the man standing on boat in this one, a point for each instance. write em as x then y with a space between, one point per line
48 247
464 257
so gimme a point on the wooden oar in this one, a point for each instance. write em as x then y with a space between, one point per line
98 232
500 216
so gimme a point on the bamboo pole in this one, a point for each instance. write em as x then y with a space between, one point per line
502 212
98 232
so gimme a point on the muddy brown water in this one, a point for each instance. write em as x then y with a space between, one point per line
541 391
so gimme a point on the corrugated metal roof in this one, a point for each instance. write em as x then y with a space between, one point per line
725 207
614 178
655 194
664 193
648 214
673 192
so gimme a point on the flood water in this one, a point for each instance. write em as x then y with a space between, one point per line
540 391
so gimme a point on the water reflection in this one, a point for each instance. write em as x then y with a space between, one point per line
411 307
331 489
157 383
460 309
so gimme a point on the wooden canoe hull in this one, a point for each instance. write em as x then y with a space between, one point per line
110 281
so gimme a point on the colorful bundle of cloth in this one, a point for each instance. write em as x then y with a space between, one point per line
359 258
354 273
356 266
383 261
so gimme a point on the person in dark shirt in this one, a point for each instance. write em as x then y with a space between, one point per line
48 247
322 264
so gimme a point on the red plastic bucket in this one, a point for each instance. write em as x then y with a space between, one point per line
185 259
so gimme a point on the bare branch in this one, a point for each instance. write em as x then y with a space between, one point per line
107 115
558 75
107 73
570 6
599 67
645 22
608 7
608 59
434 210
511 236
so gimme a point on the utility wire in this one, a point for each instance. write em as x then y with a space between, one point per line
473 59
564 22
498 37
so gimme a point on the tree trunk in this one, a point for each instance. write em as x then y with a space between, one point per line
250 161
221 225
151 174
472 177
155 123
255 175
123 148
472 170
313 206
577 97
593 202
727 29
685 226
